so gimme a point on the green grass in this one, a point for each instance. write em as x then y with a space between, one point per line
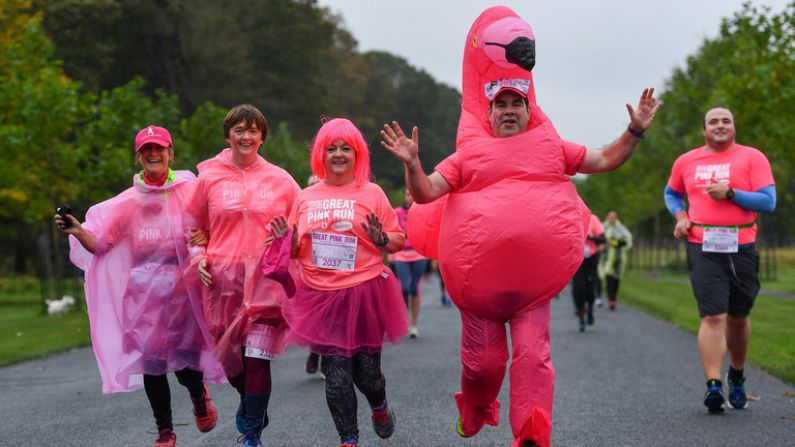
26 331
785 281
773 319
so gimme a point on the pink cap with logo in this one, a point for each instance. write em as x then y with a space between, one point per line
153 134
494 88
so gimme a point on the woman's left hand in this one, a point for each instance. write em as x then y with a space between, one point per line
198 237
373 229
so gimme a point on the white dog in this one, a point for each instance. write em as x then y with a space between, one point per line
60 307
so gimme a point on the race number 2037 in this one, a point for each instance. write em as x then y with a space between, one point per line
334 251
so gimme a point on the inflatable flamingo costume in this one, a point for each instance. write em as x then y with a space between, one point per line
508 236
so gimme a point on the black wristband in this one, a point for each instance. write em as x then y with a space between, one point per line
635 133
384 242
730 194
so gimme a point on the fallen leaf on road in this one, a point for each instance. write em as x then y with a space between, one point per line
789 393
752 397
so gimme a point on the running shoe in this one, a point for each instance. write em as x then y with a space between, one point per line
582 326
349 442
240 415
612 304
250 440
714 399
166 438
737 399
384 421
204 411
413 332
590 320
312 363
599 302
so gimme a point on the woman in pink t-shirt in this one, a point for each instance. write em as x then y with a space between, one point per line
347 303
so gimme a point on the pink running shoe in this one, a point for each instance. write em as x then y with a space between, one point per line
205 412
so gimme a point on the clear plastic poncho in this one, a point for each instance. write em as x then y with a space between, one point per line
236 206
142 291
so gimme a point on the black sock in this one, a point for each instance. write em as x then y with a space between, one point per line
735 375
717 382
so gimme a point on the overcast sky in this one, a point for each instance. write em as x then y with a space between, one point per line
592 57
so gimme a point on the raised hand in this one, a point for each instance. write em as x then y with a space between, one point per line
279 227
373 229
642 117
396 142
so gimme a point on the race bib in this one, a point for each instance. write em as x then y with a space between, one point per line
720 239
260 341
334 251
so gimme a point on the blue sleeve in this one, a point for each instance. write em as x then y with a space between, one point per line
763 201
674 200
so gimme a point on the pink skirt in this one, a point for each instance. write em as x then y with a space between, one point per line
347 321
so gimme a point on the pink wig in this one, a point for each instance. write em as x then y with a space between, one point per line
341 129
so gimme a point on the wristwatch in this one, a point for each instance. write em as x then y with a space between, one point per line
635 133
384 242
730 194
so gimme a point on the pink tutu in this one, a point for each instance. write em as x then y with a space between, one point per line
346 321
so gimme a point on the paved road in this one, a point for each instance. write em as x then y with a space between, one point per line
630 381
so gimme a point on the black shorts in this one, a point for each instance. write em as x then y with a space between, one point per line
724 282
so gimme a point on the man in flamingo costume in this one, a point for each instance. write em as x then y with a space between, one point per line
508 228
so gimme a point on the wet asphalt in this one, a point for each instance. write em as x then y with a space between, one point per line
630 380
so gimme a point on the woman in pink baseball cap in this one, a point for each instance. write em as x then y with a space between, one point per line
143 297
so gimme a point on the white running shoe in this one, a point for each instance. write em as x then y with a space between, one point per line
599 302
413 332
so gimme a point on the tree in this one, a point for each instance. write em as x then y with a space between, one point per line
749 68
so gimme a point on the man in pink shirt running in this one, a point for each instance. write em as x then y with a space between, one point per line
726 185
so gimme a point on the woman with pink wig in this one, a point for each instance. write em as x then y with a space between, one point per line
347 303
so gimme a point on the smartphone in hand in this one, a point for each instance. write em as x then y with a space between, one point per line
63 210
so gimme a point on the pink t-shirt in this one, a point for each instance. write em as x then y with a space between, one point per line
408 254
742 167
595 228
330 220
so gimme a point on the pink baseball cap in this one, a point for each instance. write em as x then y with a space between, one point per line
494 88
153 134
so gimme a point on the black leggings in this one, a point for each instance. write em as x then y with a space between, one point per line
159 393
584 284
342 373
612 287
